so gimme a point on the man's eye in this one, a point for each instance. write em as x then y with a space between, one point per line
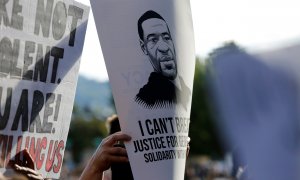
167 37
153 39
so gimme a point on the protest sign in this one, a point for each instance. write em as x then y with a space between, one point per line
148 47
258 114
40 48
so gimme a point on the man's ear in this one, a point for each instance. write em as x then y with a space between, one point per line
143 47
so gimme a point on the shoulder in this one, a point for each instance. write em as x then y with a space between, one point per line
157 92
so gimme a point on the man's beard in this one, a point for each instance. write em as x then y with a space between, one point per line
168 68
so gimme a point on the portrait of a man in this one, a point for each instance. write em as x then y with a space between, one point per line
165 87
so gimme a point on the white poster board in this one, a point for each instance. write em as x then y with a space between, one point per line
148 47
40 48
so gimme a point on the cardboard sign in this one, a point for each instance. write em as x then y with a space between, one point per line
148 47
40 48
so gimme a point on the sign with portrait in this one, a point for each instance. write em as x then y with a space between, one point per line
40 48
148 47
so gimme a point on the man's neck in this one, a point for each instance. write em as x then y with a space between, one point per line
176 82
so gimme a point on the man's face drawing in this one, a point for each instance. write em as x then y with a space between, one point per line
157 44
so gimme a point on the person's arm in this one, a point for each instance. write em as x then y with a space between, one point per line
105 155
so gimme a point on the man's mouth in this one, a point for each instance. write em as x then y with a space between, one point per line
168 65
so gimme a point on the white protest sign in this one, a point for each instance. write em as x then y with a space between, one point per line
40 48
148 48
258 114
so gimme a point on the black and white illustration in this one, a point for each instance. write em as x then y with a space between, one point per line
149 52
165 87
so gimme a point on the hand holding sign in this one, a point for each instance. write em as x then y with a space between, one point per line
25 166
105 155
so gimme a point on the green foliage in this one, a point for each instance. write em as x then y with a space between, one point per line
203 132
83 135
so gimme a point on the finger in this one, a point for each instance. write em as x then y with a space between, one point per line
118 136
118 159
118 151
17 167
37 177
24 170
188 139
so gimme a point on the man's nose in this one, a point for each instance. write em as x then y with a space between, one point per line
163 47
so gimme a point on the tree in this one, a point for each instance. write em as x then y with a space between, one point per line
84 133
203 132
